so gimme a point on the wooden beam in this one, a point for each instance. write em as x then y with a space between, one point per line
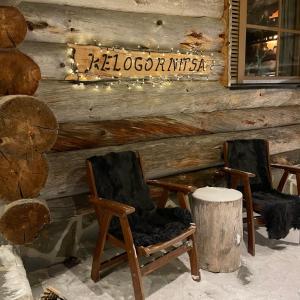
71 103
163 157
70 207
54 62
62 24
195 8
83 135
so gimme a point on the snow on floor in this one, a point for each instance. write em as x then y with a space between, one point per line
274 273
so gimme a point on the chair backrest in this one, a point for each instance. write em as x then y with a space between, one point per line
119 176
251 156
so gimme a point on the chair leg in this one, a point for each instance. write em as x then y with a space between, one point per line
251 236
250 217
132 260
194 260
103 228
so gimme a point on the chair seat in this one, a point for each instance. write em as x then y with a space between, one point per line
162 225
146 251
280 211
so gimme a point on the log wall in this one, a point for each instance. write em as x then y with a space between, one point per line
178 128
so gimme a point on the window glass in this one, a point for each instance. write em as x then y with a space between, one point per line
261 48
289 58
290 13
264 13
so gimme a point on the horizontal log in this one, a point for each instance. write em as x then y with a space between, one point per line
163 157
71 104
62 24
54 62
288 158
10 2
69 207
51 58
65 208
195 8
83 135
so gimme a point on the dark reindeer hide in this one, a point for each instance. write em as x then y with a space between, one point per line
281 212
119 177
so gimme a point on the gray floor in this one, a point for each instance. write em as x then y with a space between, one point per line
274 273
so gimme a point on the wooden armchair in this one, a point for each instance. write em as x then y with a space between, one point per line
248 164
119 177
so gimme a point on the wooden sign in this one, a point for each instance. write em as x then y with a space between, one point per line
93 63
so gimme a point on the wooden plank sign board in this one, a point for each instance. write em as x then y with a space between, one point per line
92 63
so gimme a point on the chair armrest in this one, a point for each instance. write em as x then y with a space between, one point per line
291 169
172 186
236 172
116 208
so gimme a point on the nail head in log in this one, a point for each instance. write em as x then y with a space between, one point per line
21 220
13 27
27 125
19 74
22 177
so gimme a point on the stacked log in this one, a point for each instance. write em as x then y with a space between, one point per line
28 128
19 73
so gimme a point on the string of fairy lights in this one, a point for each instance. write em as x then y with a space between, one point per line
133 82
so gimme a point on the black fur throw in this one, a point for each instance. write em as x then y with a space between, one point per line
119 177
281 212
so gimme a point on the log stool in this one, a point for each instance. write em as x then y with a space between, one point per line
218 216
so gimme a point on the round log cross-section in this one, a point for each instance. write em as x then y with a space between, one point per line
27 125
19 73
13 27
22 178
21 220
218 216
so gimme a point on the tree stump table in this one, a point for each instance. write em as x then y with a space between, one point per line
217 213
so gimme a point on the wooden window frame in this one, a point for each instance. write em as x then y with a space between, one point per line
242 78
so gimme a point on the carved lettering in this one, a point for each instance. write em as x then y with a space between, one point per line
126 65
138 66
149 64
93 63
161 62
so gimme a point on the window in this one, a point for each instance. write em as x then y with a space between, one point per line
266 44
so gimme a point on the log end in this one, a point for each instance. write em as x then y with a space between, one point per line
22 177
22 220
13 27
27 125
19 73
